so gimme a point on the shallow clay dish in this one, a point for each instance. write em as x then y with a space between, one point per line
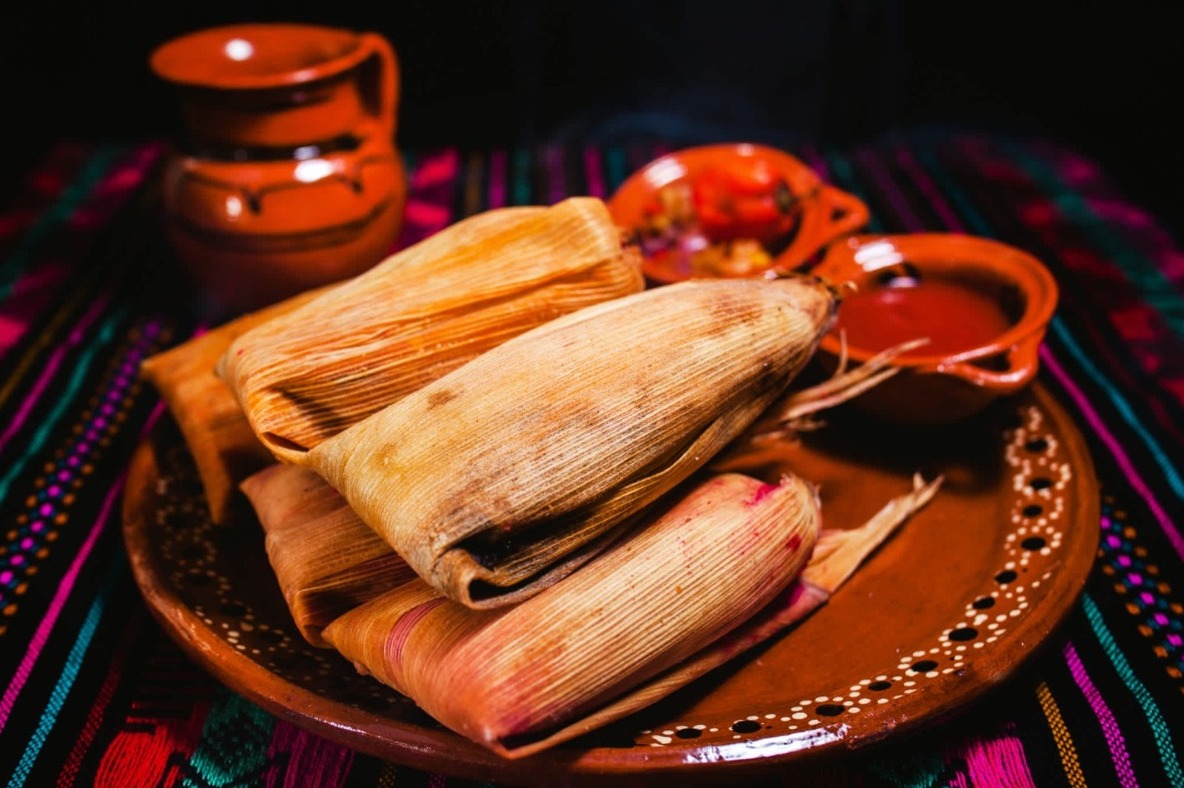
946 610
968 365
720 194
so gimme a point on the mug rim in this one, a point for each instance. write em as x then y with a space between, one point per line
198 59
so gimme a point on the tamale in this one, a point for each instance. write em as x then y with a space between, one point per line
223 446
713 573
419 314
506 474
326 560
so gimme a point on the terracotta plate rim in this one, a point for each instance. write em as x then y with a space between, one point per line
440 750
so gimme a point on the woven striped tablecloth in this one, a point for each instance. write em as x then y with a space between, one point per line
94 692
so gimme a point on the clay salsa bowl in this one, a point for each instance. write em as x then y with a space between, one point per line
982 305
730 210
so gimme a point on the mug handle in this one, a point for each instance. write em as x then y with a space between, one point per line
845 213
1023 359
386 86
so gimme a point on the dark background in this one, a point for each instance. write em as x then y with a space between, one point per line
1104 78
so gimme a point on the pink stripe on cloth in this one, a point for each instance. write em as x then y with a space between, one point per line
11 329
1099 428
65 587
1114 737
556 180
998 762
76 335
36 288
594 172
32 292
1091 184
305 758
430 196
498 191
888 185
111 193
812 157
932 194
1155 240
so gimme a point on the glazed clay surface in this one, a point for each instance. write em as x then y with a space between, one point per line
288 176
940 384
738 192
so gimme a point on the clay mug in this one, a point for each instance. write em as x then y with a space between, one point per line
287 176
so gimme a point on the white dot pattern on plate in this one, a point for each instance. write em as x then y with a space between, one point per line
202 561
1040 477
214 571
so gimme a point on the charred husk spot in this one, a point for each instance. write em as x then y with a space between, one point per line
726 308
441 397
770 377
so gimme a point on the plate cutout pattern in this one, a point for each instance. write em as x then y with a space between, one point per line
206 566
213 571
1040 480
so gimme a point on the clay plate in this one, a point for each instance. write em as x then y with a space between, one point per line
946 610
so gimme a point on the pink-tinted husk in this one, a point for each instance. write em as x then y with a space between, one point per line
418 666
792 606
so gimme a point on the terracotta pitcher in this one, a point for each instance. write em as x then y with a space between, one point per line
288 176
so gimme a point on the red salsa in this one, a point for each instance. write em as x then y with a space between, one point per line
953 316
730 219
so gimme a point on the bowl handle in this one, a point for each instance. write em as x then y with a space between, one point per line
844 213
1023 359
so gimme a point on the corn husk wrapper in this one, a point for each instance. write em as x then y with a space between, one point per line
384 634
730 564
837 555
326 560
503 476
514 679
224 448
420 314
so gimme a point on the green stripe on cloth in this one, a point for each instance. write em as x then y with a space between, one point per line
615 167
845 178
1059 329
520 177
1121 404
1164 739
967 212
920 771
69 673
1149 280
73 196
81 367
233 746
